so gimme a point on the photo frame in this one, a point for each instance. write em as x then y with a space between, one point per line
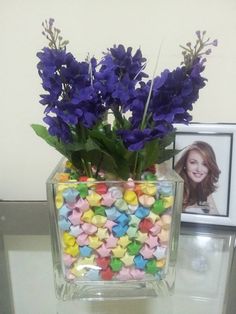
207 163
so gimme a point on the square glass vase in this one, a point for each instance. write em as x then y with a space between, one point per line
114 239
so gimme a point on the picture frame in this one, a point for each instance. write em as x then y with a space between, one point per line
209 172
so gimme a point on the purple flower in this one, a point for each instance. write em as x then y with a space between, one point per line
71 94
135 140
58 128
118 76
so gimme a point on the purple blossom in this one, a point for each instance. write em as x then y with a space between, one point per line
71 95
58 128
135 140
118 76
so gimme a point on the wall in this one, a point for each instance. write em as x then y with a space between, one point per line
92 26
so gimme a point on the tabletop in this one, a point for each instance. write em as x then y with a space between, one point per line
205 272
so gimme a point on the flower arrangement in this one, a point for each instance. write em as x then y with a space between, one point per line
82 95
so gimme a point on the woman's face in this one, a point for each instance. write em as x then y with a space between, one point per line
196 167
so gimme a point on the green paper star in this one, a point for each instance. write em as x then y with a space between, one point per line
134 247
151 267
83 190
99 210
116 264
158 207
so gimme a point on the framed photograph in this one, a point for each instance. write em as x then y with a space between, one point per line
207 163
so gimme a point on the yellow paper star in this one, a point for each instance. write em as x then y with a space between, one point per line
99 220
87 216
119 251
124 241
161 263
68 239
94 199
130 197
59 200
168 201
94 242
72 250
102 233
149 188
63 186
127 259
141 237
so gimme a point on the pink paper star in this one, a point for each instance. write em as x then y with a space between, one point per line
103 251
107 200
152 241
111 241
124 274
146 252
75 217
82 239
109 224
68 259
137 273
82 204
155 229
89 228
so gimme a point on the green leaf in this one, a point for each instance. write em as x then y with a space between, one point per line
53 141
156 151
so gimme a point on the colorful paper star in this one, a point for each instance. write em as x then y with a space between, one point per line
68 260
82 204
124 241
103 251
128 260
160 252
102 233
111 241
146 252
107 199
87 216
119 251
75 217
99 220
70 195
137 273
124 274
64 211
134 220
75 230
94 199
64 224
68 239
89 228
109 224
85 251
82 239
152 241
140 262
132 231
141 237
94 241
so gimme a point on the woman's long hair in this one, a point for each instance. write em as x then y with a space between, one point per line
198 193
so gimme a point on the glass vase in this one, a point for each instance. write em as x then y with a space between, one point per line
114 239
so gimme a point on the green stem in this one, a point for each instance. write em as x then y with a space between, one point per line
80 130
135 165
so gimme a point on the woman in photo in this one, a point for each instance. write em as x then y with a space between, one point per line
199 169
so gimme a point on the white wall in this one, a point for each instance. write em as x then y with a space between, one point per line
93 26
